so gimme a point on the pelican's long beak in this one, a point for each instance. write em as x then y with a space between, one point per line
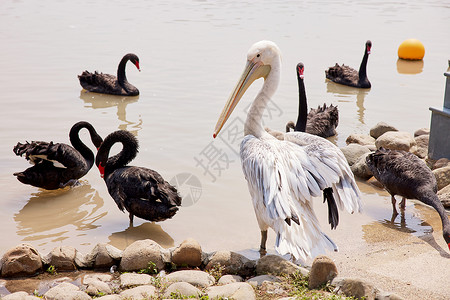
251 72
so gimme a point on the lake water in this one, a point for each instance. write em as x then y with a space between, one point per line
191 55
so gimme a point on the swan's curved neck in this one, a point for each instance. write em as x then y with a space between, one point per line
121 77
253 124
302 107
432 199
78 144
363 67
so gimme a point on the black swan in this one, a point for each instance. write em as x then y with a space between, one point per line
404 174
348 76
57 165
141 191
321 121
110 84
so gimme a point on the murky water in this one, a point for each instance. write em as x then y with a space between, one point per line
191 54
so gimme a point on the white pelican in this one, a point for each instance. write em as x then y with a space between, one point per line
283 176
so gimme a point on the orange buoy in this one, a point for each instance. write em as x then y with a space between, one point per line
411 49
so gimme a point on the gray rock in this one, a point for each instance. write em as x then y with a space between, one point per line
66 291
131 279
422 131
236 291
20 296
421 149
96 287
182 290
323 270
276 265
442 162
259 280
361 139
227 279
396 140
357 288
138 255
62 258
442 176
233 263
360 168
194 277
381 128
353 152
444 196
189 253
104 256
21 260
139 293
88 278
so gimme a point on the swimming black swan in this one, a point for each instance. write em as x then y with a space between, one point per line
348 76
321 121
110 84
404 174
141 191
58 165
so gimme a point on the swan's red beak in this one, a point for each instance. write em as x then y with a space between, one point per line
102 170
137 66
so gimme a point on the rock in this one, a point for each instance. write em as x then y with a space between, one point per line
396 140
442 176
381 128
421 149
21 260
355 288
323 270
236 291
189 253
233 263
361 139
360 168
194 277
20 296
259 280
138 255
353 152
109 297
226 279
62 258
66 291
182 290
104 256
444 196
139 293
88 278
442 162
422 131
388 296
131 279
276 265
96 287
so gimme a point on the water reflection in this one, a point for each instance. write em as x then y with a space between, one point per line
345 92
147 230
409 66
51 214
96 101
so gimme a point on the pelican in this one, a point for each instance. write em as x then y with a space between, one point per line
284 176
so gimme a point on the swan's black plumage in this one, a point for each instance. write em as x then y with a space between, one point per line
110 84
321 121
348 76
141 191
403 173
57 165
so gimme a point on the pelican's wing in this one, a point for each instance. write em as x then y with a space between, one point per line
333 166
282 181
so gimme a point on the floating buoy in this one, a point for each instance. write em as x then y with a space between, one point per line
411 49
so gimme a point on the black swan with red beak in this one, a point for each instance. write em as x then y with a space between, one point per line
348 76
56 165
110 84
141 191
403 173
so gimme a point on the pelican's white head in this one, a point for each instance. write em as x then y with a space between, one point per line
263 60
